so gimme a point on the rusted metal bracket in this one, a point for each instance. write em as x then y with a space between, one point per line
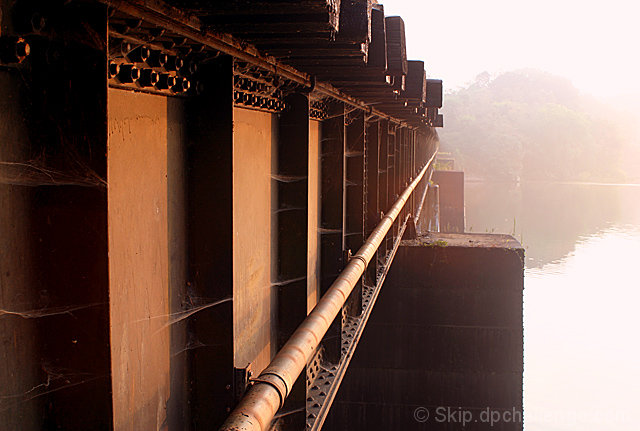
241 381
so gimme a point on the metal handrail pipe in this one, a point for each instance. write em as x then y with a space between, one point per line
266 396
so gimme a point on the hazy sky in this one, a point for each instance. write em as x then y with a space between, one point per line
594 44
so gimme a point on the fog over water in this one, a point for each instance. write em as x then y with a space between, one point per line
545 98
582 244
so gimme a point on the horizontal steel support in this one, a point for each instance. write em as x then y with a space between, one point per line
162 15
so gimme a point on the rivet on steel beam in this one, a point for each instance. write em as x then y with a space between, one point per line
174 63
181 85
165 81
148 78
125 48
189 68
139 54
157 58
128 73
114 69
13 49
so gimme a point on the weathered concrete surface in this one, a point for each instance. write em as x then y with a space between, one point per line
446 332
254 133
147 271
451 200
313 241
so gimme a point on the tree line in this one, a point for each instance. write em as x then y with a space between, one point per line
531 125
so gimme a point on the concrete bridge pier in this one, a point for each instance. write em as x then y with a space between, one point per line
444 343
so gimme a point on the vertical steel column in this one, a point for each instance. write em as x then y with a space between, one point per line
397 175
331 222
410 172
403 157
403 166
383 168
405 161
412 167
210 203
354 209
391 177
62 97
400 139
292 169
406 171
372 216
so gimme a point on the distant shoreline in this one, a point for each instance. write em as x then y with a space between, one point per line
571 183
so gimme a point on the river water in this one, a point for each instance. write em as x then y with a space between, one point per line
582 297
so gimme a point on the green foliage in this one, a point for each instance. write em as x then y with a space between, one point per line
531 125
438 243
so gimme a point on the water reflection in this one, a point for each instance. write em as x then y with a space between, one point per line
581 298
549 218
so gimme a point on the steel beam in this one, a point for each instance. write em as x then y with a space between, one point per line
291 180
372 215
210 236
354 197
331 210
174 20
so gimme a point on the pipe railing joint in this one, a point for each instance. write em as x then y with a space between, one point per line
276 382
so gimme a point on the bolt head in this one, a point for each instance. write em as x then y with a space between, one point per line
23 49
